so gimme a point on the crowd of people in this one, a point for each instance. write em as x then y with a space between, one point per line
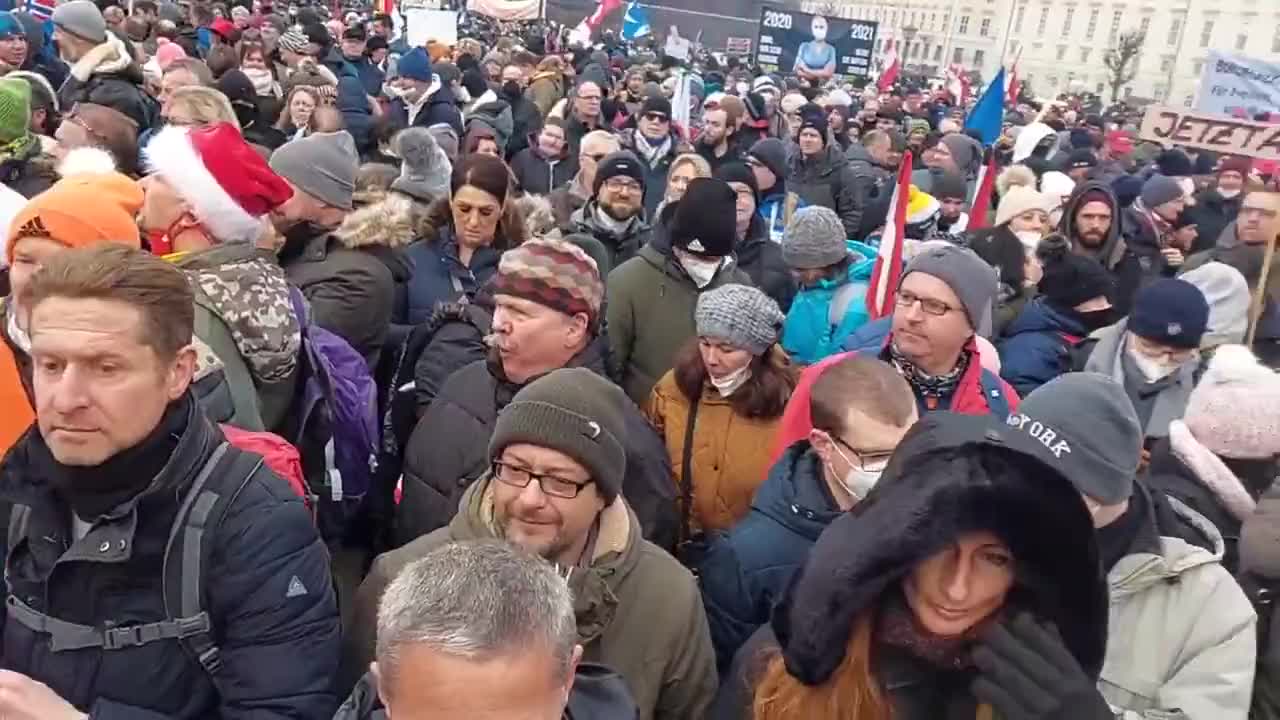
346 378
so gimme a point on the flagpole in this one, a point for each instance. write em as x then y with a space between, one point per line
1008 32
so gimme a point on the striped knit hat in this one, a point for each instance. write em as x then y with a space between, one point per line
553 273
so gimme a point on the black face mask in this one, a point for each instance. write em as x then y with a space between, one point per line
1095 319
511 89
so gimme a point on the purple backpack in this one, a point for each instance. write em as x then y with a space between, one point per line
335 412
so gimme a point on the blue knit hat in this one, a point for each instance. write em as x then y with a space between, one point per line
415 65
1171 312
9 25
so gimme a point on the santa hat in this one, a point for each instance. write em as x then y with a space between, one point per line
227 184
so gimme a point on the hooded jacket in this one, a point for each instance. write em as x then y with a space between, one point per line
440 107
649 311
816 326
1036 346
827 180
622 246
776 208
746 570
107 75
1115 254
638 610
1183 637
42 57
352 100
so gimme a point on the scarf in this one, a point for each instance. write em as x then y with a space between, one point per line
1161 226
95 491
264 83
649 152
933 388
1211 471
896 627
20 148
608 222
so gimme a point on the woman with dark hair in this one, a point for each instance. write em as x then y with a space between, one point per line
297 115
965 585
465 234
718 408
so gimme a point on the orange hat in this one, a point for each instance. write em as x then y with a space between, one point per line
81 210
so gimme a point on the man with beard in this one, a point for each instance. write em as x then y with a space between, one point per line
714 144
419 97
656 143
526 119
552 484
569 198
615 213
1148 226
1091 224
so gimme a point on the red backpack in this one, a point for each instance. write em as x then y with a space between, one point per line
278 454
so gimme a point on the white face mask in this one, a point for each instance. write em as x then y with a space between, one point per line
1152 370
701 271
1228 194
1029 239
730 383
819 31
857 482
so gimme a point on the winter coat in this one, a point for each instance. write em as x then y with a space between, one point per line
14 397
761 259
638 610
732 154
1182 635
620 246
655 171
449 449
729 456
351 291
441 108
457 338
279 647
1212 214
878 183
545 90
352 100
1157 403
440 277
1115 255
117 83
1142 237
649 307
526 123
777 209
538 175
745 571
575 130
1260 575
567 200
1036 347
827 180
387 226
30 174
371 77
812 329
979 392
598 693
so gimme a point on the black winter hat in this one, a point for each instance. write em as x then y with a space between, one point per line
949 185
1174 163
950 475
1171 312
739 173
656 104
1080 158
1070 279
772 153
620 163
704 222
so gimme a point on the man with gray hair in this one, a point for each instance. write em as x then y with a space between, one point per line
483 614
568 198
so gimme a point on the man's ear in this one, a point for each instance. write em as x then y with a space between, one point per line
380 683
181 372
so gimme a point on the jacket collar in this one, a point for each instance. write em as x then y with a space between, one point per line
1169 557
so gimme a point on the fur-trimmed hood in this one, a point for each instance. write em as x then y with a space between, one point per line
394 221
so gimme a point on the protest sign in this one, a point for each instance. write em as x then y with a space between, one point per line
789 38
676 46
738 46
1205 131
1238 85
426 25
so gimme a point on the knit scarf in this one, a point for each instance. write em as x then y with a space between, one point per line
1211 471
264 83
1161 226
649 152
933 388
896 627
20 148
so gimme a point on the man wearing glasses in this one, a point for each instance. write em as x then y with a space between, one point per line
584 115
554 488
568 198
615 213
657 142
944 299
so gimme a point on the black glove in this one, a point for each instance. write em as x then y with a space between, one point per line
1028 674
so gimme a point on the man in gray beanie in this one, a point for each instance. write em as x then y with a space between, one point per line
350 282
1162 559
554 488
1147 226
101 70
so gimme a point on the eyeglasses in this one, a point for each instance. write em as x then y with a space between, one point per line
938 308
590 98
1156 351
868 460
519 477
656 117
595 157
617 184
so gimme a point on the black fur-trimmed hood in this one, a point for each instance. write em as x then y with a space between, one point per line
910 515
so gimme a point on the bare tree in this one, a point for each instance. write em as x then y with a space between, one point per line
1121 61
828 8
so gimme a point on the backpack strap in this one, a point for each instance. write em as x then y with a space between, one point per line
993 392
686 474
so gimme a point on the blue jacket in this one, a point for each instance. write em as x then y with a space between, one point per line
746 570
808 335
773 210
370 76
435 264
441 107
352 101
1037 345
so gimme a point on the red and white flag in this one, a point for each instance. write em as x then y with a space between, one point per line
981 207
891 66
958 84
888 269
603 10
1014 88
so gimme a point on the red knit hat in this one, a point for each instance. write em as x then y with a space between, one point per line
225 181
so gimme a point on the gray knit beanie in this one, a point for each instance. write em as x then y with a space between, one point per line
1158 190
969 277
576 412
322 165
83 19
740 315
814 239
424 168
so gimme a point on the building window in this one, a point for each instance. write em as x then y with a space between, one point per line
1115 27
1145 25
1018 16
1206 33
1160 91
984 29
933 20
1084 55
1241 41
1128 92
1166 63
1175 29
937 53
978 56
957 56
1099 88
964 25
1043 22
1197 66
1066 23
1062 52
1093 24
1275 40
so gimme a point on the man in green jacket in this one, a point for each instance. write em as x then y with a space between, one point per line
554 489
651 297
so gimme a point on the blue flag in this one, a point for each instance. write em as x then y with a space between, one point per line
635 23
988 115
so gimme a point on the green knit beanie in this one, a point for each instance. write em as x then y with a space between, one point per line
15 109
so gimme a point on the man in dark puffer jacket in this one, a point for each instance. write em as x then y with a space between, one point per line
537 327
102 67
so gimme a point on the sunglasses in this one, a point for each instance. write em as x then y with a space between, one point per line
656 117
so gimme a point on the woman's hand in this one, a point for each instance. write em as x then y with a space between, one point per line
1028 674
